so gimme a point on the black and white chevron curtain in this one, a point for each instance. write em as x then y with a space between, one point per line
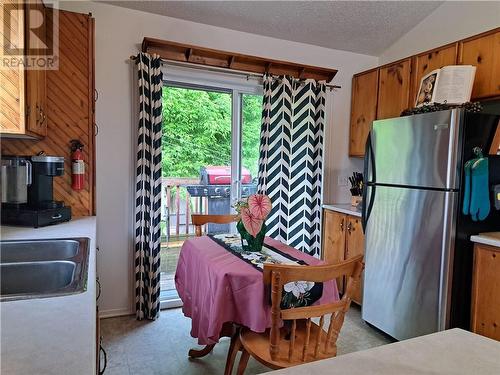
290 159
148 188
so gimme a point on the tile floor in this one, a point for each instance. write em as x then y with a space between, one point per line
160 347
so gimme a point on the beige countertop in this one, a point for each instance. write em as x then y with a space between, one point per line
345 208
449 352
51 335
488 238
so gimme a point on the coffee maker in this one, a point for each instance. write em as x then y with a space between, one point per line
27 191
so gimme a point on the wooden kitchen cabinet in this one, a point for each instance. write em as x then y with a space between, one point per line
23 110
363 110
355 245
343 239
485 311
334 240
483 51
398 82
36 80
393 89
426 62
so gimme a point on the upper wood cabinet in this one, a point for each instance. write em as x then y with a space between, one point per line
36 80
426 62
399 82
363 110
483 51
393 89
23 92
12 101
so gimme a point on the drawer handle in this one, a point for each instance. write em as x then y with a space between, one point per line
57 216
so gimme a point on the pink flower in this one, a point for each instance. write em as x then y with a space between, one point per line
259 206
252 224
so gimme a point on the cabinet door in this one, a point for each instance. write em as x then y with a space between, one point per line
12 80
425 63
334 225
484 53
393 89
355 246
36 79
486 291
363 110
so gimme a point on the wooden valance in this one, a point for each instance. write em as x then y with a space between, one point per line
204 56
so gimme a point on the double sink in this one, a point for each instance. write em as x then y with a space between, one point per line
43 268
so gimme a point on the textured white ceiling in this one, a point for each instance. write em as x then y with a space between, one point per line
367 27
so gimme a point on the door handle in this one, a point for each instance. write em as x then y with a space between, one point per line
57 216
342 225
349 227
369 161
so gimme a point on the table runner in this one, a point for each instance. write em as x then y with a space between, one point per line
216 287
294 294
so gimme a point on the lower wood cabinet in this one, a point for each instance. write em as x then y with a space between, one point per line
343 238
485 311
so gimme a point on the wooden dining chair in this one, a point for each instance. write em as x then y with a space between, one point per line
198 220
306 341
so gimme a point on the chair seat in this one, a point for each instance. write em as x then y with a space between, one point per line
257 344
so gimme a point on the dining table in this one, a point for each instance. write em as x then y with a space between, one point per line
222 290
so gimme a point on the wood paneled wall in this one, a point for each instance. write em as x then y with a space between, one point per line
70 107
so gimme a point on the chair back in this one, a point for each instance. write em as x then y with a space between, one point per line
199 220
324 343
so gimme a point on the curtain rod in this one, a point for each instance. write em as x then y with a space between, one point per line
223 70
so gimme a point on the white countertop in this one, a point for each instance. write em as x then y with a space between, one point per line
488 238
345 208
51 335
449 352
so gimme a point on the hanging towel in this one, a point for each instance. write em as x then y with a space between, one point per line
467 187
479 197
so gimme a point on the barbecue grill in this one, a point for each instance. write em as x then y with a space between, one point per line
215 184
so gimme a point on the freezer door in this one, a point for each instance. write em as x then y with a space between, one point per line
419 150
409 242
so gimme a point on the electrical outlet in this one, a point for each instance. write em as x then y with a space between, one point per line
343 181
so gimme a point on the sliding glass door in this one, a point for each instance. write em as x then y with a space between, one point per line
210 144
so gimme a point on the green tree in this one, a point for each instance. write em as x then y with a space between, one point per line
197 131
252 116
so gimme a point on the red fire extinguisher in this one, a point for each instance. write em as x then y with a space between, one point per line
77 165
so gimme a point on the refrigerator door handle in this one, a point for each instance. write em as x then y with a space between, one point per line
369 161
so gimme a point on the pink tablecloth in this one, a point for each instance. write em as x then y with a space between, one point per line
216 286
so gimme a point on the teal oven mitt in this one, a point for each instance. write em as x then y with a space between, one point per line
467 172
479 197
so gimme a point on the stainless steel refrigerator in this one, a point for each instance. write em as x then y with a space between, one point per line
418 258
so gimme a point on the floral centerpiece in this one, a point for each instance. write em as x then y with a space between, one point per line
253 212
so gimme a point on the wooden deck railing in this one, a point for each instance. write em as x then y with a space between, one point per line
178 206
